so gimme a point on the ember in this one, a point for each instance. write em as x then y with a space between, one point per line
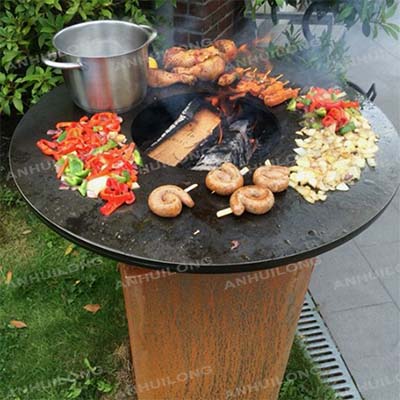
211 130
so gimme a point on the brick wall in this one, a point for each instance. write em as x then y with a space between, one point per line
197 20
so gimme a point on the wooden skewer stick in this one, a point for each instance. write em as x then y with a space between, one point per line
244 171
228 211
224 212
191 187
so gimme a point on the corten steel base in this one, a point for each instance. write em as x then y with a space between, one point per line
203 337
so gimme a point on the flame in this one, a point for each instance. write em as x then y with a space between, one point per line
222 103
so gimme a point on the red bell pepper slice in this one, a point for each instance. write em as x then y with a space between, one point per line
47 147
116 194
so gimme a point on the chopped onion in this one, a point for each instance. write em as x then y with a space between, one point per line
326 161
52 132
95 186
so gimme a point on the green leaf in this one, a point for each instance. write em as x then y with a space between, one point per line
364 11
74 393
394 26
375 31
47 29
82 14
345 12
391 11
18 104
390 31
366 28
5 107
9 56
72 10
107 13
104 387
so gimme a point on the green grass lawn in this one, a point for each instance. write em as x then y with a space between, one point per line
66 352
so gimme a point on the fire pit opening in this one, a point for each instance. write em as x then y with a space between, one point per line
201 131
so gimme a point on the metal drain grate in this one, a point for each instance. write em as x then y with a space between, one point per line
319 344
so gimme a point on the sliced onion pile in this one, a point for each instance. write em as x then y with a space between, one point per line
326 161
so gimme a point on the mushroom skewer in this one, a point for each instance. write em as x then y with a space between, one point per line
166 201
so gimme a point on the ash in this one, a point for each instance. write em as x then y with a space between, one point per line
235 147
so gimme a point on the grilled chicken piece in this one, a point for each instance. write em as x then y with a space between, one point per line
230 77
209 70
180 57
158 78
280 97
227 48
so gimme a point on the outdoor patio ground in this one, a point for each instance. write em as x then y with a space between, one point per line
357 286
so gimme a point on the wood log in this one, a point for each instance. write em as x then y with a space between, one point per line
177 147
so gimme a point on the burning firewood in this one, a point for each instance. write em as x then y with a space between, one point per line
186 139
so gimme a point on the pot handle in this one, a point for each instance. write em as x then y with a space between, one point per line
153 33
61 65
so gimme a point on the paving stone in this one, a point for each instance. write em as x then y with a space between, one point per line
396 201
384 230
368 338
384 55
343 279
385 261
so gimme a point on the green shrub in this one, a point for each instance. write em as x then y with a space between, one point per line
26 31
373 14
27 28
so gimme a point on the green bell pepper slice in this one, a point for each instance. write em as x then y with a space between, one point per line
347 128
138 158
82 189
108 146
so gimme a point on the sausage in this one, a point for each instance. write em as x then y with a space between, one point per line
273 177
253 199
224 180
166 201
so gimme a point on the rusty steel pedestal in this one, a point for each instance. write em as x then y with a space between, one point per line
197 337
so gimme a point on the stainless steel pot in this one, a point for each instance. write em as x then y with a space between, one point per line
104 63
